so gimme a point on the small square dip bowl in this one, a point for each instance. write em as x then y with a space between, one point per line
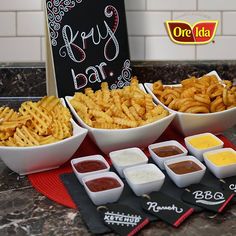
144 179
221 162
185 170
200 143
128 157
103 187
164 151
83 166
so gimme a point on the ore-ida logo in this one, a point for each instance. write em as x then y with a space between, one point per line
182 32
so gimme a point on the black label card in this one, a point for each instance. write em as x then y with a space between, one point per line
229 184
207 197
89 43
166 208
122 219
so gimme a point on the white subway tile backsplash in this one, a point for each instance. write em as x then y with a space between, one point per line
8 24
147 23
229 20
217 5
193 17
171 4
34 28
136 48
224 48
22 27
20 49
19 5
135 4
162 48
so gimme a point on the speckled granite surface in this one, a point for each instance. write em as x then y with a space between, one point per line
174 72
23 211
23 80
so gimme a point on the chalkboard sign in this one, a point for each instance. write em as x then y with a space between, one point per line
87 44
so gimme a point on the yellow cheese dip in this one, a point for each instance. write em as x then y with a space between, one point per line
204 141
223 158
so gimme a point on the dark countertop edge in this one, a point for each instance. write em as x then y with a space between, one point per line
134 63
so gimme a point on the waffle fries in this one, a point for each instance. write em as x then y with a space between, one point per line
128 107
35 123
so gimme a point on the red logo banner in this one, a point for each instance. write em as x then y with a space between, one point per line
182 32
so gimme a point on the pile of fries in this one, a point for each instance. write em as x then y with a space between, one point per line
128 107
35 123
198 95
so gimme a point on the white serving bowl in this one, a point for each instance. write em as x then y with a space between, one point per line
184 180
135 177
189 123
105 196
197 152
28 160
109 140
80 175
223 171
128 157
160 160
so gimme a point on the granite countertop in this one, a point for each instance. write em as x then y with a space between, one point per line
24 211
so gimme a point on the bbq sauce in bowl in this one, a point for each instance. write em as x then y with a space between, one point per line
102 184
89 165
184 167
167 151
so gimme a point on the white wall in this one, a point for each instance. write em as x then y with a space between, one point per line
22 29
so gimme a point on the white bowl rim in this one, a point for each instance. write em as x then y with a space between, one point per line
95 157
186 140
187 158
165 143
215 151
162 177
135 149
101 175
74 124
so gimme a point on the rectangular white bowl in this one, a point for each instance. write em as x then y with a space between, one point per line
109 140
114 156
189 123
184 180
88 158
28 160
145 187
106 196
198 153
160 160
220 171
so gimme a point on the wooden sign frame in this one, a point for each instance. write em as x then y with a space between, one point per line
86 44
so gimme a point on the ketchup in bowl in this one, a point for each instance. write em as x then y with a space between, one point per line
101 184
89 166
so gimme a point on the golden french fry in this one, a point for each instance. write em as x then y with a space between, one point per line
202 95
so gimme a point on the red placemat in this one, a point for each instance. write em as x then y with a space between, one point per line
49 184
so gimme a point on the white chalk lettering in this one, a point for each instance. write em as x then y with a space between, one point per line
156 208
